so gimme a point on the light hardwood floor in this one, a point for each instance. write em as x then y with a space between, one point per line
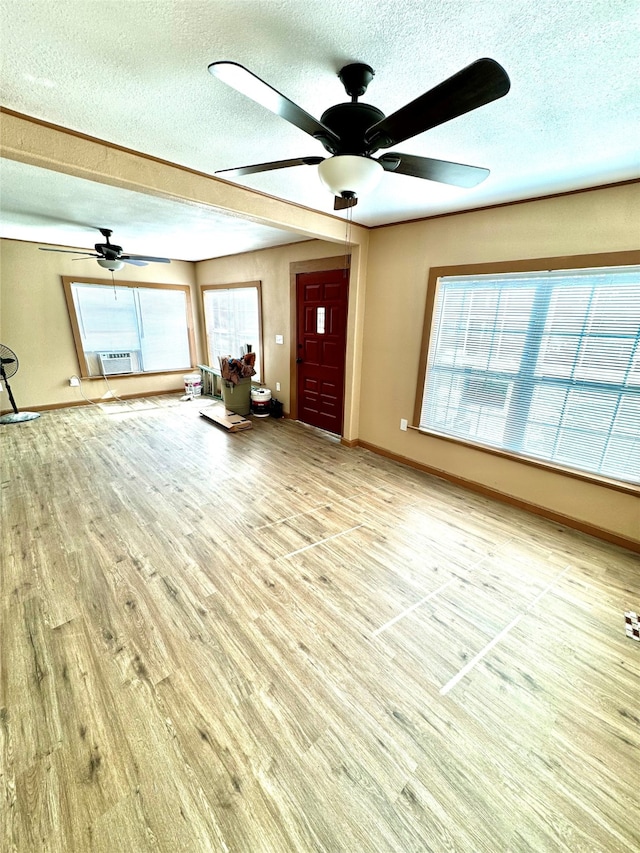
267 642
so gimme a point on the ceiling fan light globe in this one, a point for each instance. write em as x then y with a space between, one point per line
350 173
114 265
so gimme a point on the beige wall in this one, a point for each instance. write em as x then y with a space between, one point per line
400 256
34 322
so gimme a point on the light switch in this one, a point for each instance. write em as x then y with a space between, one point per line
279 339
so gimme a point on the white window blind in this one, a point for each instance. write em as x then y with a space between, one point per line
232 320
106 316
163 335
148 322
544 365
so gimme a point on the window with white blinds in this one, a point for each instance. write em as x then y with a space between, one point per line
544 365
233 322
130 328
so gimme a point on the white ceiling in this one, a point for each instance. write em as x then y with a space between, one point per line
134 73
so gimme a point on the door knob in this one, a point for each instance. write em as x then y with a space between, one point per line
298 361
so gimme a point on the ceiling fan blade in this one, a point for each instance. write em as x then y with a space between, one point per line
69 252
442 171
244 81
267 167
476 85
131 259
341 203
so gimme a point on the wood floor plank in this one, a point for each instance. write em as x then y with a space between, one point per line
241 643
29 684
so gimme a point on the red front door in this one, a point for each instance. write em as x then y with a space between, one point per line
321 345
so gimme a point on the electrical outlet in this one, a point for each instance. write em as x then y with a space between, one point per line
277 386
74 382
404 423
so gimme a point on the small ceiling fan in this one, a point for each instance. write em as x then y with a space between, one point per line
353 132
109 255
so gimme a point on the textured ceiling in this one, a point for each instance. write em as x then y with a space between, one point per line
51 207
134 73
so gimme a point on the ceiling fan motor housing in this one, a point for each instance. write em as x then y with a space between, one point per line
350 122
108 250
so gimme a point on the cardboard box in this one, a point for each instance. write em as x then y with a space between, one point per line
229 420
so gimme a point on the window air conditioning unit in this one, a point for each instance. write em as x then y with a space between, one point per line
115 362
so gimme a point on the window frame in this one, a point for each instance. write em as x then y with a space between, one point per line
565 262
257 285
68 280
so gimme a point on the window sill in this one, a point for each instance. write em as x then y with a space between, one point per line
597 479
139 373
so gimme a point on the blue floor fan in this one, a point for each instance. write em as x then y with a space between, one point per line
8 368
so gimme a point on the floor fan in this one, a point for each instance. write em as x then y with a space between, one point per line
8 368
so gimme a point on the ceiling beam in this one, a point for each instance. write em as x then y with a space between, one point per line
48 146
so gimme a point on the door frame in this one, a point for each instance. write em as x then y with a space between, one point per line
341 262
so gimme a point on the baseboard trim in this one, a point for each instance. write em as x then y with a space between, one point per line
350 442
89 402
502 497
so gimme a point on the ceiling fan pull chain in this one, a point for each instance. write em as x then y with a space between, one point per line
347 240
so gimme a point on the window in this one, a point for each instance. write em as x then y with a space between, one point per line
130 328
233 322
543 365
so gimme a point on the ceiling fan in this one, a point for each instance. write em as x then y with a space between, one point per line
352 132
109 255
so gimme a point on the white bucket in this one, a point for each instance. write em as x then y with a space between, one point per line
261 402
192 384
